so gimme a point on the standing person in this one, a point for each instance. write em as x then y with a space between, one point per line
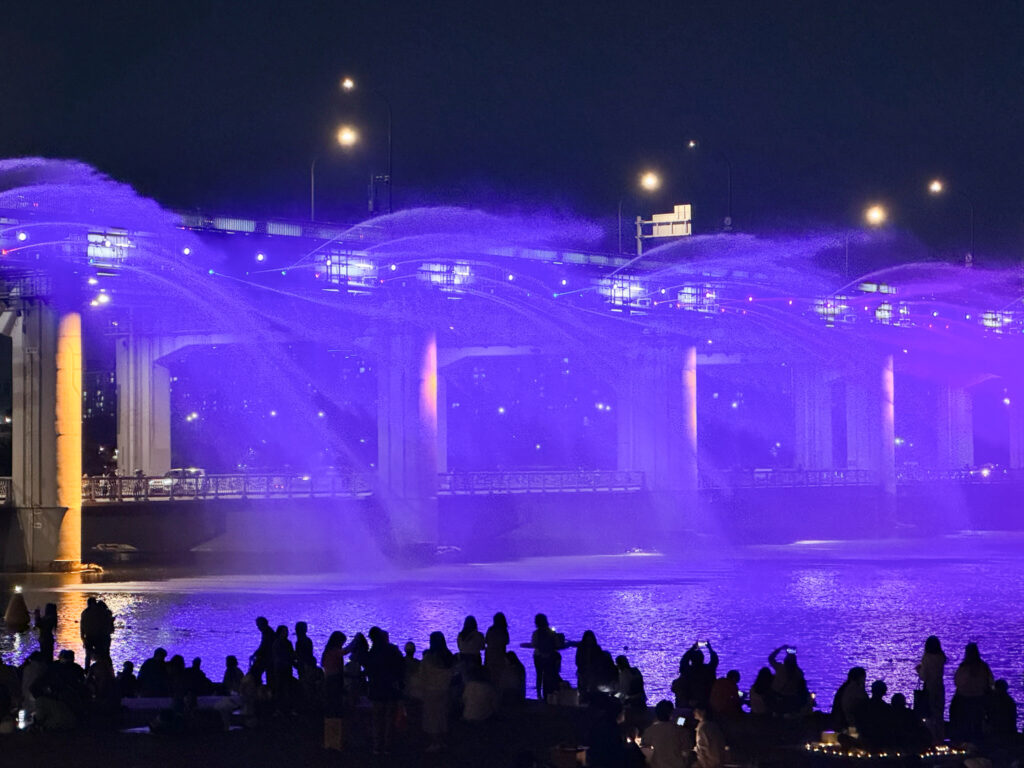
762 697
547 662
931 670
47 626
90 628
106 628
333 663
435 685
385 670
588 652
283 662
262 658
471 642
849 698
496 640
305 660
973 681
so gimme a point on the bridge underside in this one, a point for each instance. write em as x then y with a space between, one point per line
335 533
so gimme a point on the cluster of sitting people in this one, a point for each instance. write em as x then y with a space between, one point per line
482 676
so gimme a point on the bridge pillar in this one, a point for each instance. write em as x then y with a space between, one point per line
46 440
657 427
870 425
143 405
812 406
954 427
1016 409
407 435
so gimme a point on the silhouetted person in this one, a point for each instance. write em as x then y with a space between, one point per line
283 662
1001 710
912 736
305 659
479 697
710 741
762 694
496 640
355 678
90 628
385 671
198 683
696 676
850 696
671 744
606 747
106 628
876 724
231 683
546 644
153 675
789 684
513 679
47 626
410 668
631 686
127 682
931 670
588 653
973 680
435 684
471 642
725 702
261 660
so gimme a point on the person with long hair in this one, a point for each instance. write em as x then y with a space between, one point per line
931 670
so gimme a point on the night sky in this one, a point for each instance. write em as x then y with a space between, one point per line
821 105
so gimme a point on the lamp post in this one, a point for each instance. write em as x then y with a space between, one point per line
348 85
693 144
937 187
875 215
347 137
649 182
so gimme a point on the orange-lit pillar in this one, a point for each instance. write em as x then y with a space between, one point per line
68 423
407 435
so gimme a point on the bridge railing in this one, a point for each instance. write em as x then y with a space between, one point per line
262 486
6 491
919 475
787 478
538 481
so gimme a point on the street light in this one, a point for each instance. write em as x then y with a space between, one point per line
347 137
348 85
649 181
937 187
874 216
693 144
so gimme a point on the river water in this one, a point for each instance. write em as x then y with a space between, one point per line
840 604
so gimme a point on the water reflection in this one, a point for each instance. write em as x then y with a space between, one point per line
876 614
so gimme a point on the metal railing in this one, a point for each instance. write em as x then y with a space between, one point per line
539 481
6 493
978 475
280 486
787 478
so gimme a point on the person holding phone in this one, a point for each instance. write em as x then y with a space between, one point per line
667 743
789 685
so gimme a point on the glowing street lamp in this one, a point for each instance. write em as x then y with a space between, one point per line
347 137
936 187
649 181
875 215
348 85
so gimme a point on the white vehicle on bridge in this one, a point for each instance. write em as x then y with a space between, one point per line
188 481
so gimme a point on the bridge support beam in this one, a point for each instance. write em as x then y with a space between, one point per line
143 405
407 436
954 427
657 428
812 401
1016 409
46 441
870 425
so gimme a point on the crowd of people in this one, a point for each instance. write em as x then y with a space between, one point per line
484 675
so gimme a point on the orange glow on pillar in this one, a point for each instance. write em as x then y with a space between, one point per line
69 435
690 410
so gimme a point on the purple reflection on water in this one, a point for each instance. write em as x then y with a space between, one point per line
844 605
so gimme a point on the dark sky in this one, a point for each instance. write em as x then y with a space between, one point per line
821 105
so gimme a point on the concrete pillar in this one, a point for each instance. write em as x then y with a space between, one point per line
32 542
407 435
954 427
143 406
812 407
657 416
870 426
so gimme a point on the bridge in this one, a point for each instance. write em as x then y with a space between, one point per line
419 304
